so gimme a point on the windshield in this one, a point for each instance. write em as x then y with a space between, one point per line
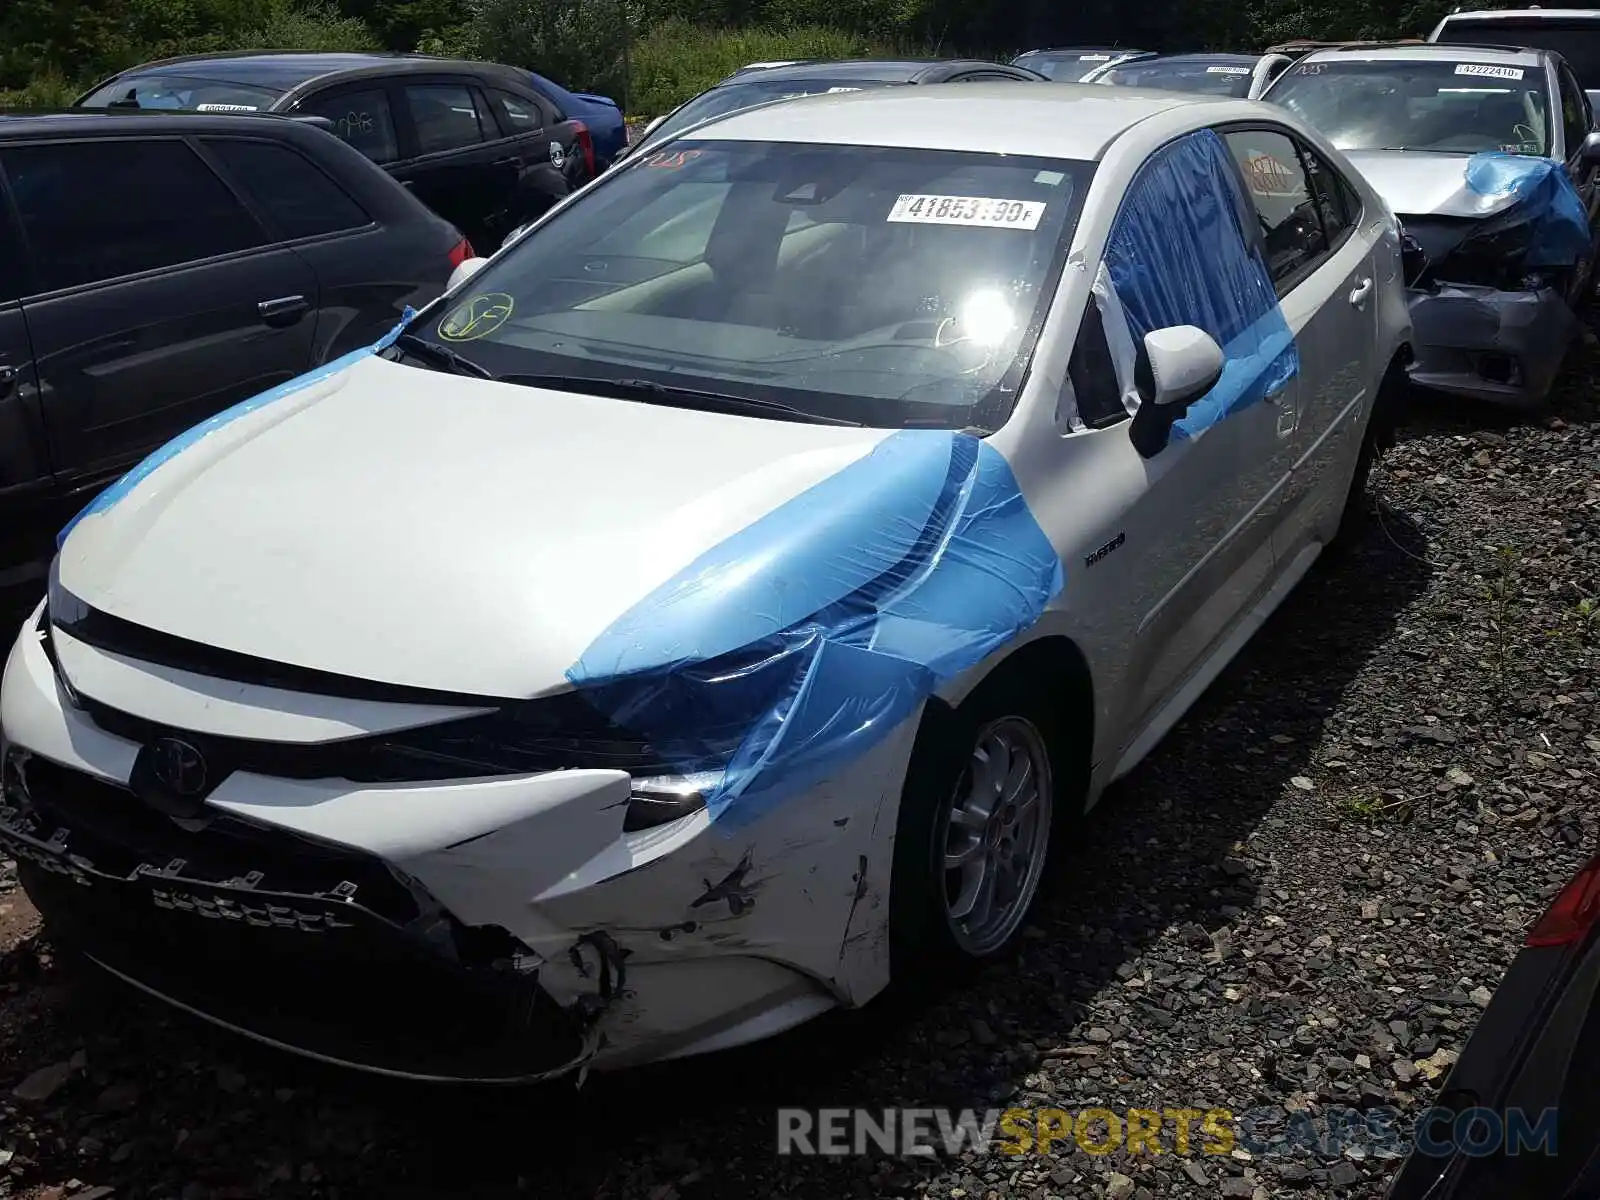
1576 41
732 97
173 91
888 287
1394 104
1067 68
1213 79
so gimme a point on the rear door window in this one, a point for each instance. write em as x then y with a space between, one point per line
446 117
99 210
296 196
362 119
517 114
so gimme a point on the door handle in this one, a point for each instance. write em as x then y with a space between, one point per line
283 311
8 379
1359 293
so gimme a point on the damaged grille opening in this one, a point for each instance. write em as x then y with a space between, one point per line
117 832
1487 253
436 1000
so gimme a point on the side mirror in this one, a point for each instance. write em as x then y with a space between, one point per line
1175 367
1589 152
464 272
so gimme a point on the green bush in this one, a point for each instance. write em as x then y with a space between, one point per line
50 90
676 60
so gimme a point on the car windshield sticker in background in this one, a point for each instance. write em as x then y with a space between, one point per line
1227 70
1488 71
671 160
477 317
225 108
1094 58
834 91
967 210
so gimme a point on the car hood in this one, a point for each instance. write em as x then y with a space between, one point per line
427 530
1416 183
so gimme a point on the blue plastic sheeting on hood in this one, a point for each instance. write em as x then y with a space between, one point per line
115 493
1545 192
1179 255
798 643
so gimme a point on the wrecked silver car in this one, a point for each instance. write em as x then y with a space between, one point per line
1489 159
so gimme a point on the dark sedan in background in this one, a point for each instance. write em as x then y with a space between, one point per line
477 142
156 268
1518 1117
1069 64
764 84
1239 75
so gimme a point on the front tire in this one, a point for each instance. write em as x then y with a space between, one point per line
978 818
1376 439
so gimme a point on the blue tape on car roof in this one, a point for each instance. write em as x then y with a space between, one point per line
1545 193
166 453
1179 254
798 643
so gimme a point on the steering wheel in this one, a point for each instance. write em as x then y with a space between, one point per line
1525 135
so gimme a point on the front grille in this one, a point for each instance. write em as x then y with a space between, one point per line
317 948
119 834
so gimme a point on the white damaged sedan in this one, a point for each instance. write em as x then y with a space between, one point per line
719 602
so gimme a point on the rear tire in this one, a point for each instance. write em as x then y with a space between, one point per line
979 814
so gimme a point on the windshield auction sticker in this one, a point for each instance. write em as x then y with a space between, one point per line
1488 72
987 211
1227 70
477 317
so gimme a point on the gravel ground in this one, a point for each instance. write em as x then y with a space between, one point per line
1310 889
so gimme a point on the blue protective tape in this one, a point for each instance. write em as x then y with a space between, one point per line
1546 194
1179 254
166 453
795 645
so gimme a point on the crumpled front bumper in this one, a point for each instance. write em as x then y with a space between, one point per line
498 929
1486 344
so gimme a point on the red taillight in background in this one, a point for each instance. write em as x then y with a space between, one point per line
1571 914
580 133
460 252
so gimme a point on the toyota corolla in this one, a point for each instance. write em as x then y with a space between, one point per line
720 601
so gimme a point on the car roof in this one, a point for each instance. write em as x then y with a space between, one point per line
1489 16
901 70
279 69
55 122
1242 60
1075 50
1067 121
1511 56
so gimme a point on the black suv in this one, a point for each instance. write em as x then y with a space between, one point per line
474 141
157 268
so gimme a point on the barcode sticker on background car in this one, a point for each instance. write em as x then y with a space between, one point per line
1094 58
967 210
1488 71
225 108
1227 70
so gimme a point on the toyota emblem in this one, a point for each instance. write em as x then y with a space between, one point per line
179 766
